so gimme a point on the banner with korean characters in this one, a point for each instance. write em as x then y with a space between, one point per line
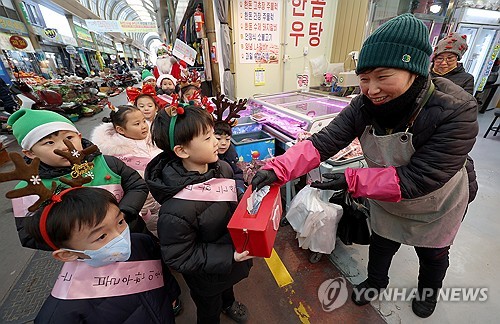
306 25
125 26
490 60
138 26
13 25
258 30
83 34
184 52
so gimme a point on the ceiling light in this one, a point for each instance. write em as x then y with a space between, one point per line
435 8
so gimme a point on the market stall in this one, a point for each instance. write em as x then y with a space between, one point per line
285 118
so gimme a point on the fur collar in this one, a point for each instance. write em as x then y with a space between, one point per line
112 143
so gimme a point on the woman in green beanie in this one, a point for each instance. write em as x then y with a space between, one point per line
415 134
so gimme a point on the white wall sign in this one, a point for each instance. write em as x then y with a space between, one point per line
184 52
258 29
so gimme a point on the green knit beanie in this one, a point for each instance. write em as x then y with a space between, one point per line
402 43
30 126
146 75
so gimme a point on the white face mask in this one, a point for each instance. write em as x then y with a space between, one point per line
118 249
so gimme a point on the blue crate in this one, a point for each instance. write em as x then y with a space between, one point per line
246 125
247 143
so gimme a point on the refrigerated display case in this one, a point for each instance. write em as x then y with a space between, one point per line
483 39
289 114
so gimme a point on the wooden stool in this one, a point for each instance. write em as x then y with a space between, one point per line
492 127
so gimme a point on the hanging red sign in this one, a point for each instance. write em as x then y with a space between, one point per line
18 42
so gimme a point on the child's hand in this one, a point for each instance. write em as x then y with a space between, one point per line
238 257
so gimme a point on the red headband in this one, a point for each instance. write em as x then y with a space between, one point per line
147 89
45 213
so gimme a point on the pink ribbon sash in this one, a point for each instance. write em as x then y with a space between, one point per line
215 189
136 163
78 280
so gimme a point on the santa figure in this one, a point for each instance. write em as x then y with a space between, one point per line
166 63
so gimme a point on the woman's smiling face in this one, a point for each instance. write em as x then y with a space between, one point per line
382 85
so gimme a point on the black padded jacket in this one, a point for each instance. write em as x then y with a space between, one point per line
459 77
193 234
443 135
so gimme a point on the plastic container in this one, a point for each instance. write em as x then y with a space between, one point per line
246 125
258 145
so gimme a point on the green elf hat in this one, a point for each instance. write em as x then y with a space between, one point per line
147 75
30 126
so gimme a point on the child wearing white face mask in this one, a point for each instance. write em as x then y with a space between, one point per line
119 276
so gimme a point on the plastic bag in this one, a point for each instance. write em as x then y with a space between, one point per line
318 65
314 219
354 227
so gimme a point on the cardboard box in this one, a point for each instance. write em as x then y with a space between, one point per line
256 233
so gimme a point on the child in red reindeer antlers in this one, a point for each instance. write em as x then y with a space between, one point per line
190 88
223 131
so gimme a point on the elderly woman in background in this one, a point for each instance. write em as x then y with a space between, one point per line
447 53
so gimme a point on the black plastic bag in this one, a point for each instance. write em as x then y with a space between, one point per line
353 226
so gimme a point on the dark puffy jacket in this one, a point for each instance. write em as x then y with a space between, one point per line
443 134
459 77
7 97
231 157
134 188
154 306
193 234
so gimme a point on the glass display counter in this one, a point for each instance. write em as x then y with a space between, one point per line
293 113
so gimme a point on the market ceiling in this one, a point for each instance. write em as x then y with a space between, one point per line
142 10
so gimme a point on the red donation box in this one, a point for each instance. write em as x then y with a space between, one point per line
256 233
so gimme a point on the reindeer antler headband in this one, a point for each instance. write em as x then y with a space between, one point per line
173 110
192 79
222 103
177 108
35 186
